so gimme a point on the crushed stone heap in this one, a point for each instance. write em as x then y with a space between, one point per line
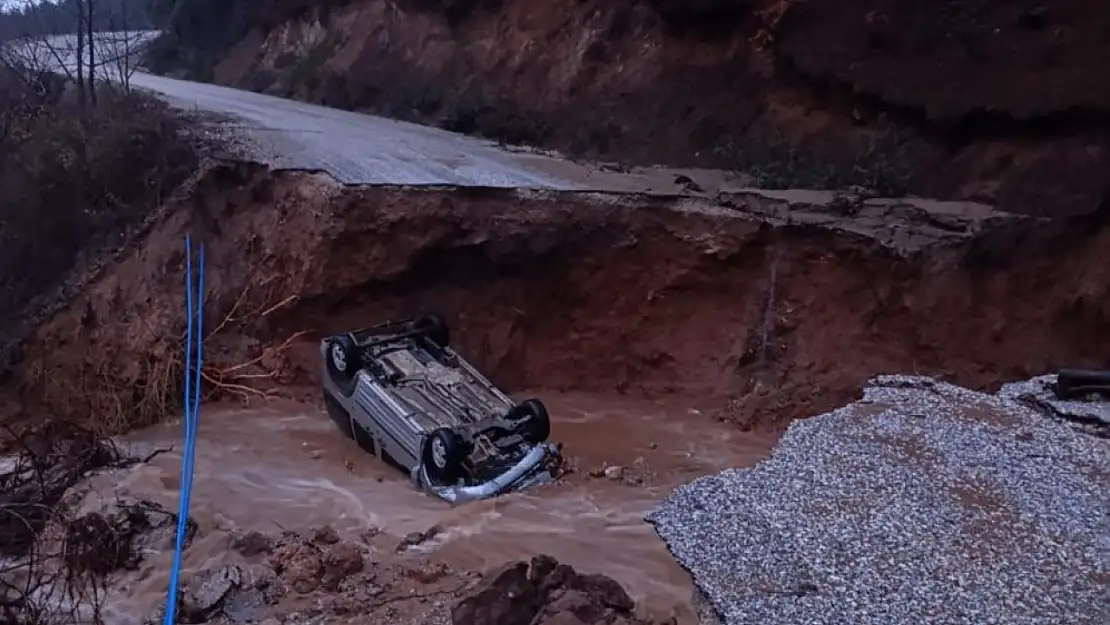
921 503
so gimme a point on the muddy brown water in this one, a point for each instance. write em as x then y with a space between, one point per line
285 466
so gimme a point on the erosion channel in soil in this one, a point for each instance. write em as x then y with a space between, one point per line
670 337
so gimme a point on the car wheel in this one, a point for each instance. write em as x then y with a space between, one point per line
435 328
443 456
339 415
536 426
342 361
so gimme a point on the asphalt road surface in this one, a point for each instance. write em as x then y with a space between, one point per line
366 149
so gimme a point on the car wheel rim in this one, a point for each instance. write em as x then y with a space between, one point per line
439 454
339 358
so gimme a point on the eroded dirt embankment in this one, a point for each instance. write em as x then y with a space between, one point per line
774 307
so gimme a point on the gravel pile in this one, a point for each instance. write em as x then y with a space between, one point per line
921 503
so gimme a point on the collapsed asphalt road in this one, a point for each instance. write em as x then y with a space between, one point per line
366 149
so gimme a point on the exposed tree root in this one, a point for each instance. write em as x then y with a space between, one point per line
146 388
246 379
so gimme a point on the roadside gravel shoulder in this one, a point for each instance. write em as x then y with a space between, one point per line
921 503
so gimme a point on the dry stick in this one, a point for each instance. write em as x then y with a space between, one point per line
280 348
260 312
768 310
226 379
39 586
279 305
230 314
240 389
154 454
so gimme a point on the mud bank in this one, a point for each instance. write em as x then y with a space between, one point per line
770 306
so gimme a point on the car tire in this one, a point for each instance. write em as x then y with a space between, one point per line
339 415
342 361
536 426
443 455
435 328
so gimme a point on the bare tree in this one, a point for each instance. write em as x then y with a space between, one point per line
80 56
102 48
119 54
89 15
24 58
119 46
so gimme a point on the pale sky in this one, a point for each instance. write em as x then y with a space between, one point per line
4 4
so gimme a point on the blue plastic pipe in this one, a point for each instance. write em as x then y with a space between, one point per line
192 411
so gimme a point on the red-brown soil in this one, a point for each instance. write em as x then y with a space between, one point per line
995 100
775 308
323 577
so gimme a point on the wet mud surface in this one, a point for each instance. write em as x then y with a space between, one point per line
284 467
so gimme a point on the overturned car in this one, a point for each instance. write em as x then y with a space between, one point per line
404 395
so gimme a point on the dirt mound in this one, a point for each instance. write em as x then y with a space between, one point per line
752 300
544 592
323 563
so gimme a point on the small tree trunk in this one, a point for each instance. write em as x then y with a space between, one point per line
89 4
125 26
81 99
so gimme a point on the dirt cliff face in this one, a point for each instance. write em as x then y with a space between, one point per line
992 100
772 307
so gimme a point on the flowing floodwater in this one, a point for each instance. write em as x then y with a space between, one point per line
285 467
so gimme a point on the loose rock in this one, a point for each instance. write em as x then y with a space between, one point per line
340 561
545 592
414 539
202 602
303 566
252 544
